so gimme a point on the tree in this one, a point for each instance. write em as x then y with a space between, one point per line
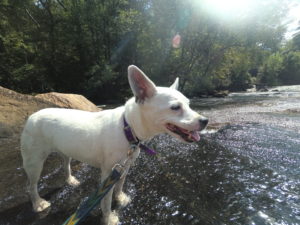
85 46
290 73
271 69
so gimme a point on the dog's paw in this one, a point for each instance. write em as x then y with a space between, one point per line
111 219
71 180
40 205
123 199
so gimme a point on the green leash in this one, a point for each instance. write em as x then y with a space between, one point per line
88 205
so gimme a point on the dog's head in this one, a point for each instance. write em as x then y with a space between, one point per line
165 109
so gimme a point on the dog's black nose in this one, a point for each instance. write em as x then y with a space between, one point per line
203 122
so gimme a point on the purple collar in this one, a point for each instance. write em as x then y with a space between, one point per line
133 140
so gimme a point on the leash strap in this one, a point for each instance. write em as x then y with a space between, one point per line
92 201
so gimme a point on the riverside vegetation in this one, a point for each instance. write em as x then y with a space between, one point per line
85 46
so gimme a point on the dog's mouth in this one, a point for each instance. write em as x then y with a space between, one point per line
186 135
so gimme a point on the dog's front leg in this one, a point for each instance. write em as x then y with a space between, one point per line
109 217
121 197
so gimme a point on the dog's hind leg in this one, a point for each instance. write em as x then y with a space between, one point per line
71 180
33 164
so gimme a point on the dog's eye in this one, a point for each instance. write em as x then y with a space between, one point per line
175 107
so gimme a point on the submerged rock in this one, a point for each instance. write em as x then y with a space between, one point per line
221 94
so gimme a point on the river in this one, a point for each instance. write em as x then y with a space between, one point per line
244 170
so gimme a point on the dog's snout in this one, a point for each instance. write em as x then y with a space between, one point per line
203 122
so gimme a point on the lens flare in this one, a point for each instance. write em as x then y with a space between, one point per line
176 41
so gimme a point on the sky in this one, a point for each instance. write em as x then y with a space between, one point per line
293 18
233 7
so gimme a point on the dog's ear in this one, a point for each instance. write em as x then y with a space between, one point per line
141 86
175 85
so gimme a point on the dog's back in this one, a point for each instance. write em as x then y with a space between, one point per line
74 133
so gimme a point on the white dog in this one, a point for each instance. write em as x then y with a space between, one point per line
98 138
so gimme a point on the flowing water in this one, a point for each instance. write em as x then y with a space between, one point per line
245 170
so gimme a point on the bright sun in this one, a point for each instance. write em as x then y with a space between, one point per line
227 7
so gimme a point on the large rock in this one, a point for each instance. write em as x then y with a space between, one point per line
72 101
15 109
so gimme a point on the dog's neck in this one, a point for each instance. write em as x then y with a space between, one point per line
137 121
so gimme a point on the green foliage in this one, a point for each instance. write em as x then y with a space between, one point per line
271 69
239 70
290 73
85 46
282 67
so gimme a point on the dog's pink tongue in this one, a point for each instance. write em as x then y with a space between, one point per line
195 135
